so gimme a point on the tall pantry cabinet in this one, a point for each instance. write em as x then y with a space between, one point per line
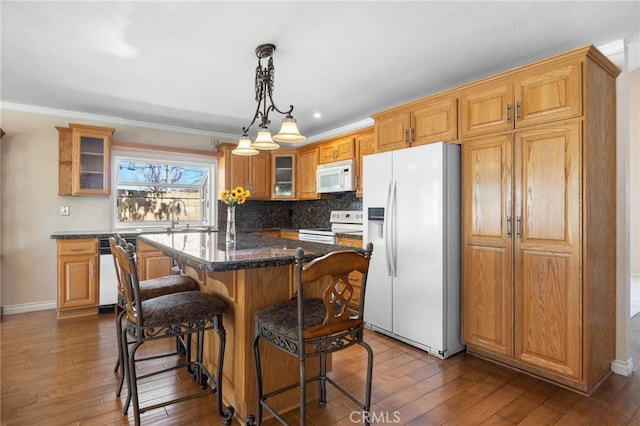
538 225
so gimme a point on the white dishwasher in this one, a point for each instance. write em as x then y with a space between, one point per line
108 295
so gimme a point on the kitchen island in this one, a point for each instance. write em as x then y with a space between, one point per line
258 271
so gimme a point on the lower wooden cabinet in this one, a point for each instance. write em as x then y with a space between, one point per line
77 277
355 277
152 263
289 235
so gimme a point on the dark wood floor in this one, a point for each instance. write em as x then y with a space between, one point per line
61 372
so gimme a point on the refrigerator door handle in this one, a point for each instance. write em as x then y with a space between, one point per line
387 227
393 231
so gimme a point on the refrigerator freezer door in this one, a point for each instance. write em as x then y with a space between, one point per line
377 179
418 300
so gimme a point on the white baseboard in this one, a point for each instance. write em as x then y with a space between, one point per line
621 367
28 307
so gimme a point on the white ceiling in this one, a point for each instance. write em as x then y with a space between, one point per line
192 64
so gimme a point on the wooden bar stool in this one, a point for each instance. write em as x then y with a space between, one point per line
188 314
307 327
148 288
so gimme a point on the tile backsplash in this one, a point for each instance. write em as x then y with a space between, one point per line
254 215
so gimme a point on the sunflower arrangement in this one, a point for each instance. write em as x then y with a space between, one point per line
235 196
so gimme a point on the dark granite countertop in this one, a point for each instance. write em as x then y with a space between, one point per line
207 251
134 232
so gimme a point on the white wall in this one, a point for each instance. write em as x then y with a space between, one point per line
30 205
634 171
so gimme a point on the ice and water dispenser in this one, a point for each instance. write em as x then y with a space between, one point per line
375 223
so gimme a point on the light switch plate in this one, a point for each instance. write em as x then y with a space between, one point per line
64 210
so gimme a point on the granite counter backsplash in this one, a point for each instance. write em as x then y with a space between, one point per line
288 214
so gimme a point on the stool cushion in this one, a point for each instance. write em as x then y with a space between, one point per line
160 286
178 308
283 319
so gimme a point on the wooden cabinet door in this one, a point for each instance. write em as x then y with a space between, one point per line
548 296
91 160
435 122
392 131
365 145
487 108
283 174
152 263
77 281
337 150
487 245
238 170
306 175
260 176
549 94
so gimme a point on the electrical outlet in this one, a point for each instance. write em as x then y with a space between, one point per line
64 210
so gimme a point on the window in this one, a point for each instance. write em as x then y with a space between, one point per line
163 190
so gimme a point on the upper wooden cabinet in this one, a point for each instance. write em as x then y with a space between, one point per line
251 172
427 121
283 174
306 173
337 150
365 145
531 96
84 160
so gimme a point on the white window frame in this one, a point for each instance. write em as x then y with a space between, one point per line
170 157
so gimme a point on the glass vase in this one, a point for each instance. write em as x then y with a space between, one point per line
231 225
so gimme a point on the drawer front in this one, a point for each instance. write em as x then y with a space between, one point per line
72 247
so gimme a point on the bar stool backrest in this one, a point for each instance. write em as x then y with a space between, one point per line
129 279
333 271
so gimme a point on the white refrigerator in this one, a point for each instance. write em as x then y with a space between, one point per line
411 206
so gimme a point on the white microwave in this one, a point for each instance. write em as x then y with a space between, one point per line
338 176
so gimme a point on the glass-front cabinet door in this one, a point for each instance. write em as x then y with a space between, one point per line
283 167
91 160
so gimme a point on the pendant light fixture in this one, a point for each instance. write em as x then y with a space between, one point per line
264 97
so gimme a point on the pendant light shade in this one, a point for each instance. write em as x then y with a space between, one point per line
244 147
289 131
264 140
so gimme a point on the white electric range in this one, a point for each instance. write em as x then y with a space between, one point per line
342 222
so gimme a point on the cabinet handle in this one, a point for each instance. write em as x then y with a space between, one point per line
506 112
91 276
404 136
508 226
410 134
518 226
517 114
